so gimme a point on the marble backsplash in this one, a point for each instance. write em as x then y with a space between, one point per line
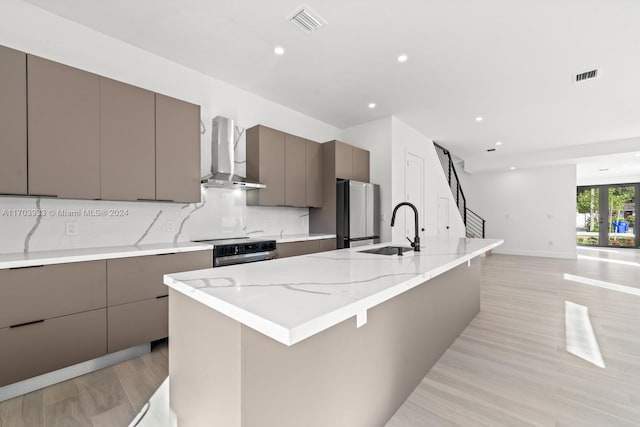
36 224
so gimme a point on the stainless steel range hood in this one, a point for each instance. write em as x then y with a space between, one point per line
222 173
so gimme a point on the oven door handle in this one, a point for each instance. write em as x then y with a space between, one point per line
243 258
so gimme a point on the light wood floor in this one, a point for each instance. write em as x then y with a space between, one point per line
510 367
110 397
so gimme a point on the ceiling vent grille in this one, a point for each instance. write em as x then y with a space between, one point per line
306 20
586 75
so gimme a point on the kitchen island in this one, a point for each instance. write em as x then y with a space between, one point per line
275 343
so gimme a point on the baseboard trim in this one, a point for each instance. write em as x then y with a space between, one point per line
45 380
540 254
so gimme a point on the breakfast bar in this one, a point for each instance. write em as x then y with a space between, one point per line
337 338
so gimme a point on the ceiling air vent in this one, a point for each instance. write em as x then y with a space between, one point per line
306 19
586 75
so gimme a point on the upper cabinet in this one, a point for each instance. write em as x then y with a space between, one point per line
314 174
295 171
13 122
351 162
343 160
127 142
289 166
265 164
64 130
72 134
360 165
177 150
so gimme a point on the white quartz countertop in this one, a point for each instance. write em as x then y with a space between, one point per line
30 259
298 237
291 299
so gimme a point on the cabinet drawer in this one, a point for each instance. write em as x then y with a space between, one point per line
297 248
326 245
28 294
137 323
53 344
138 278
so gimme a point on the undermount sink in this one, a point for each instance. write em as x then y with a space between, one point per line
387 250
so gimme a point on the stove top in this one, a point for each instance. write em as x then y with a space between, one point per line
232 241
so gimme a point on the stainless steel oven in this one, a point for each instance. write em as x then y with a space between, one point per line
241 250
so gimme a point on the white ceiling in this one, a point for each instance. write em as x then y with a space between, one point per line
510 61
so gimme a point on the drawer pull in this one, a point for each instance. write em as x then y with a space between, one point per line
163 296
27 323
28 266
169 253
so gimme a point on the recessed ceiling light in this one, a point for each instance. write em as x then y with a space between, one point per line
403 58
512 168
278 50
372 105
499 143
479 119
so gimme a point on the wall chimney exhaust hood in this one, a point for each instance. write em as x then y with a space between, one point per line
222 173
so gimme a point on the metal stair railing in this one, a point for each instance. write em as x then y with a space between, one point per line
474 223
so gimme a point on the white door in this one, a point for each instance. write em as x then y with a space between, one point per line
443 217
414 188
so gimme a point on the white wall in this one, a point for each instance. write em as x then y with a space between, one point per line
533 210
408 140
625 179
389 140
223 214
375 136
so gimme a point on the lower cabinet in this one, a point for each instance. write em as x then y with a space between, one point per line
137 322
137 298
36 348
305 247
54 316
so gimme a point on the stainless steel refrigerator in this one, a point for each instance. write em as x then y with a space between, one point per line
357 210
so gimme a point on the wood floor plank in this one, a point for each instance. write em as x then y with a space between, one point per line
100 391
66 413
121 415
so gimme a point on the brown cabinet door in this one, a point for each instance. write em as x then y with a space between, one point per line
177 150
139 278
64 130
13 122
360 165
265 163
37 348
37 293
290 249
344 160
137 323
314 174
326 245
127 142
295 171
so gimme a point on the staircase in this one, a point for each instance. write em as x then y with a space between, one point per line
474 223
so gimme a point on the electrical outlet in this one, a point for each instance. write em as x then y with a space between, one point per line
171 226
71 228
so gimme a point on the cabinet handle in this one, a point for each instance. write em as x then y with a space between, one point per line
156 200
28 266
169 253
43 195
26 323
162 296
